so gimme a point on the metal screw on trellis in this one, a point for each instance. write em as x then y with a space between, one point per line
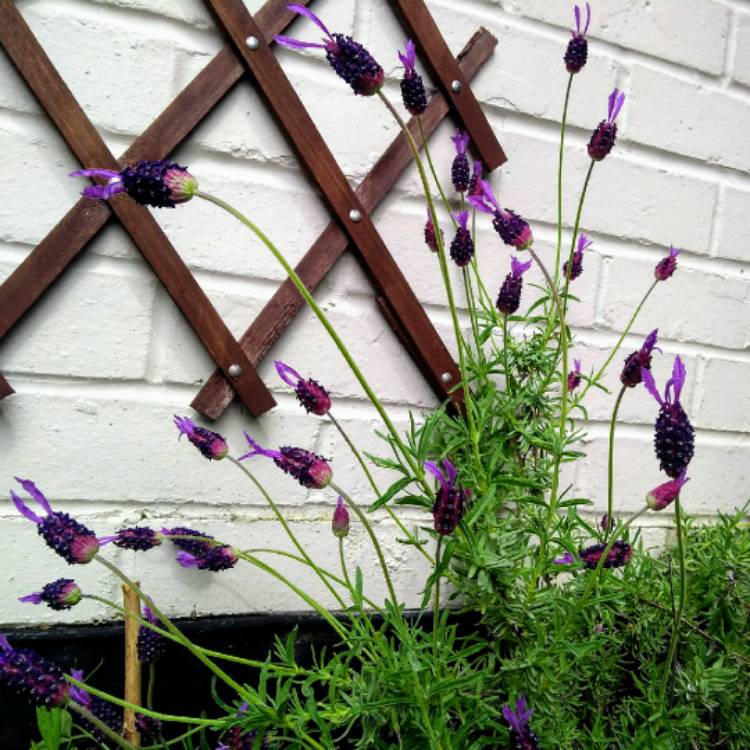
235 371
456 87
446 377
355 216
252 43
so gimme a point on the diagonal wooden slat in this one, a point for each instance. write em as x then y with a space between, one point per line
280 310
5 388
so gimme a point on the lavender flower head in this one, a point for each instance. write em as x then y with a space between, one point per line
212 445
607 523
105 711
430 237
161 184
635 362
32 675
349 59
618 556
574 376
310 393
667 266
70 539
306 467
203 553
475 183
513 230
149 645
665 494
604 136
462 247
138 538
63 593
578 47
521 736
412 86
509 298
460 171
149 728
450 500
340 522
674 437
576 268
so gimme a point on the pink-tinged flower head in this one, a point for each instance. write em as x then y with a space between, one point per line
430 237
665 494
674 437
31 675
412 86
462 247
70 539
450 500
310 393
511 227
349 59
212 445
521 736
635 362
307 468
604 136
618 556
150 645
161 183
578 47
475 183
576 268
509 298
460 171
63 593
340 522
574 376
667 266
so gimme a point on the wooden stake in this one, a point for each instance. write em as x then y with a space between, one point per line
132 665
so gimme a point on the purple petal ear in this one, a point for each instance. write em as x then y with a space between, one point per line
618 105
35 493
650 385
524 713
519 268
187 560
257 450
288 374
106 174
462 219
303 11
678 377
287 41
4 645
650 343
35 598
478 202
577 14
512 719
434 469
450 472
588 19
23 509
409 58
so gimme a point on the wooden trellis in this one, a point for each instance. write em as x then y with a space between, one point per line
249 55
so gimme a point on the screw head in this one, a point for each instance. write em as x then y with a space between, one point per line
235 371
456 87
355 215
446 377
252 43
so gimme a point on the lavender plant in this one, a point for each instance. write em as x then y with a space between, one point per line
580 639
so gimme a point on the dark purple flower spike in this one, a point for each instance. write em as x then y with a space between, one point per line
604 136
509 298
70 539
450 500
212 445
462 247
306 467
429 233
578 47
635 362
105 711
349 59
412 86
63 593
665 494
667 266
150 645
460 171
576 268
138 538
513 230
521 736
674 437
574 376
32 675
618 556
149 728
340 522
201 553
161 184
310 393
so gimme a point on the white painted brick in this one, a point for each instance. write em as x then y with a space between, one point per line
724 403
733 212
689 32
190 11
741 71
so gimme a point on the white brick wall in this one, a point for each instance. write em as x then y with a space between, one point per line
102 363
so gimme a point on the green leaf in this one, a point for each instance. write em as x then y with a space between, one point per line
394 489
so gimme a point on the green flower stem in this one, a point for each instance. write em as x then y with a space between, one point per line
368 528
472 308
436 608
323 318
100 725
560 178
430 163
361 461
151 685
611 461
669 665
287 529
344 570
508 382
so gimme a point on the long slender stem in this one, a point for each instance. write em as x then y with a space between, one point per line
508 381
438 184
611 461
344 569
436 608
560 178
100 725
151 685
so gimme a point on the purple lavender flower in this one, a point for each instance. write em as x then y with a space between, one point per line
209 443
618 556
509 298
70 539
574 376
674 437
429 233
195 547
666 266
150 645
340 522
603 138
307 468
607 523
450 500
149 728
161 184
576 268
460 171
310 393
202 553
412 86
63 593
349 59
578 47
462 247
105 711
475 183
513 230
521 736
139 538
665 494
566 559
32 675
635 362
